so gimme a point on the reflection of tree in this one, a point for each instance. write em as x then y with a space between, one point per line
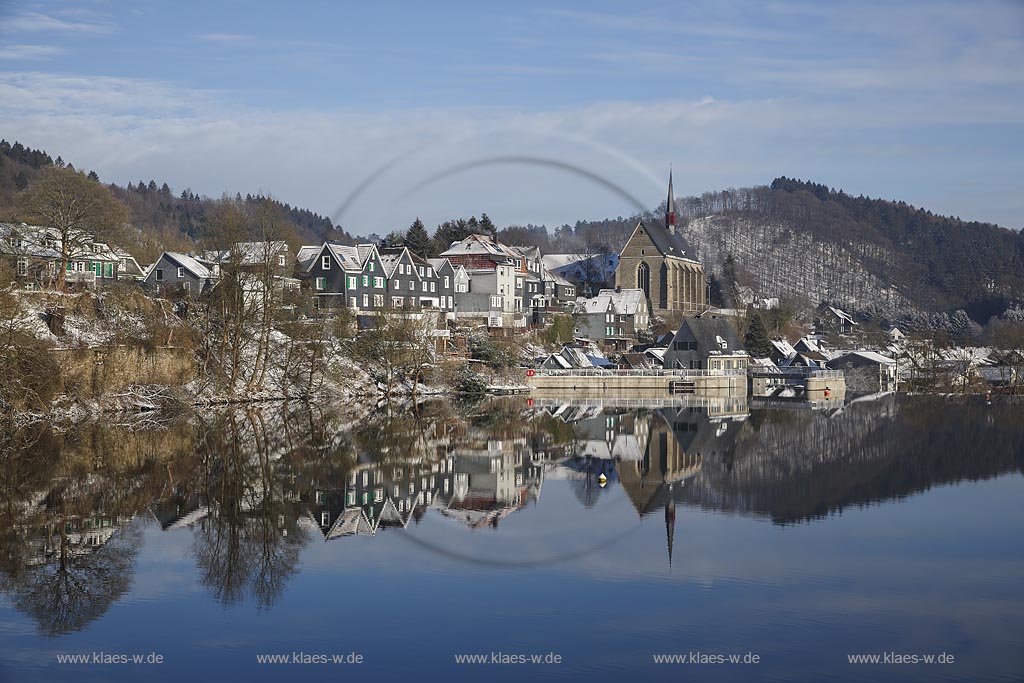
77 587
251 542
63 558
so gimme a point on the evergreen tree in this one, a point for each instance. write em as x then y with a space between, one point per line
756 339
418 241
94 176
486 226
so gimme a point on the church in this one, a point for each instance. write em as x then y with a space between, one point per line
659 261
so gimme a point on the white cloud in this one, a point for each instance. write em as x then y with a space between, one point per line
37 21
131 129
26 52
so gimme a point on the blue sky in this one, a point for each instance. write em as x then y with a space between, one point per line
917 101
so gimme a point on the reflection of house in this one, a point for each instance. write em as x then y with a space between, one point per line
706 342
493 482
79 536
377 496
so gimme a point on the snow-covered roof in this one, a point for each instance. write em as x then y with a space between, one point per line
842 314
189 263
481 245
622 301
783 347
872 356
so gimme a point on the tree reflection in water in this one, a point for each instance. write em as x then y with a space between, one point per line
255 487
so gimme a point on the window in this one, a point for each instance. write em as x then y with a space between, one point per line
108 270
366 281
325 262
378 283
433 286
370 266
424 285
350 498
280 260
186 286
159 274
396 302
321 283
447 282
352 282
366 300
421 271
378 300
351 302
430 272
181 273
22 267
412 285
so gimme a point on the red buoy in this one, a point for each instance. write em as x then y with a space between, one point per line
530 373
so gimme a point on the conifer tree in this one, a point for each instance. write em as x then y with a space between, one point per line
756 339
418 241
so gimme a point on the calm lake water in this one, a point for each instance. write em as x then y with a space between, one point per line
602 535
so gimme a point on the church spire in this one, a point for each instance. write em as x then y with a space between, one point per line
670 207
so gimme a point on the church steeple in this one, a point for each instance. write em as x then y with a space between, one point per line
670 207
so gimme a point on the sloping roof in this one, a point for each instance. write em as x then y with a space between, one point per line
551 276
190 264
842 315
636 360
438 263
863 356
623 301
389 260
783 347
711 332
668 243
347 257
307 253
248 253
481 245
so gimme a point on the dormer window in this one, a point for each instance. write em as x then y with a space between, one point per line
722 343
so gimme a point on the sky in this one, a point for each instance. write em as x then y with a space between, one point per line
543 113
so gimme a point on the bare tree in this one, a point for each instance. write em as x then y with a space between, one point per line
80 211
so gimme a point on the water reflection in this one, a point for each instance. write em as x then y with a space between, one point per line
253 488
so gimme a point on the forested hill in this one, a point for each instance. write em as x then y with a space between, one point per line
877 257
164 219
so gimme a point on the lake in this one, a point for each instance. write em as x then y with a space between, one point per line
714 540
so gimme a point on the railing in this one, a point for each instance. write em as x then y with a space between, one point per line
783 373
599 372
727 405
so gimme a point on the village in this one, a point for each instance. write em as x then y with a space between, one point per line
561 323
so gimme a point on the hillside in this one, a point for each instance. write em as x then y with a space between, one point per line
798 240
883 259
162 218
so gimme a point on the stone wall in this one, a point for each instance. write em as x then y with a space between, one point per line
91 372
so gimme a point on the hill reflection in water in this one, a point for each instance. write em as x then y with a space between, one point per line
255 488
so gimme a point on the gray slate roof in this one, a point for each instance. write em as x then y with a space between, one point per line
708 330
668 243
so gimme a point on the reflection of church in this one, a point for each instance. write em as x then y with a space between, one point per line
658 260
